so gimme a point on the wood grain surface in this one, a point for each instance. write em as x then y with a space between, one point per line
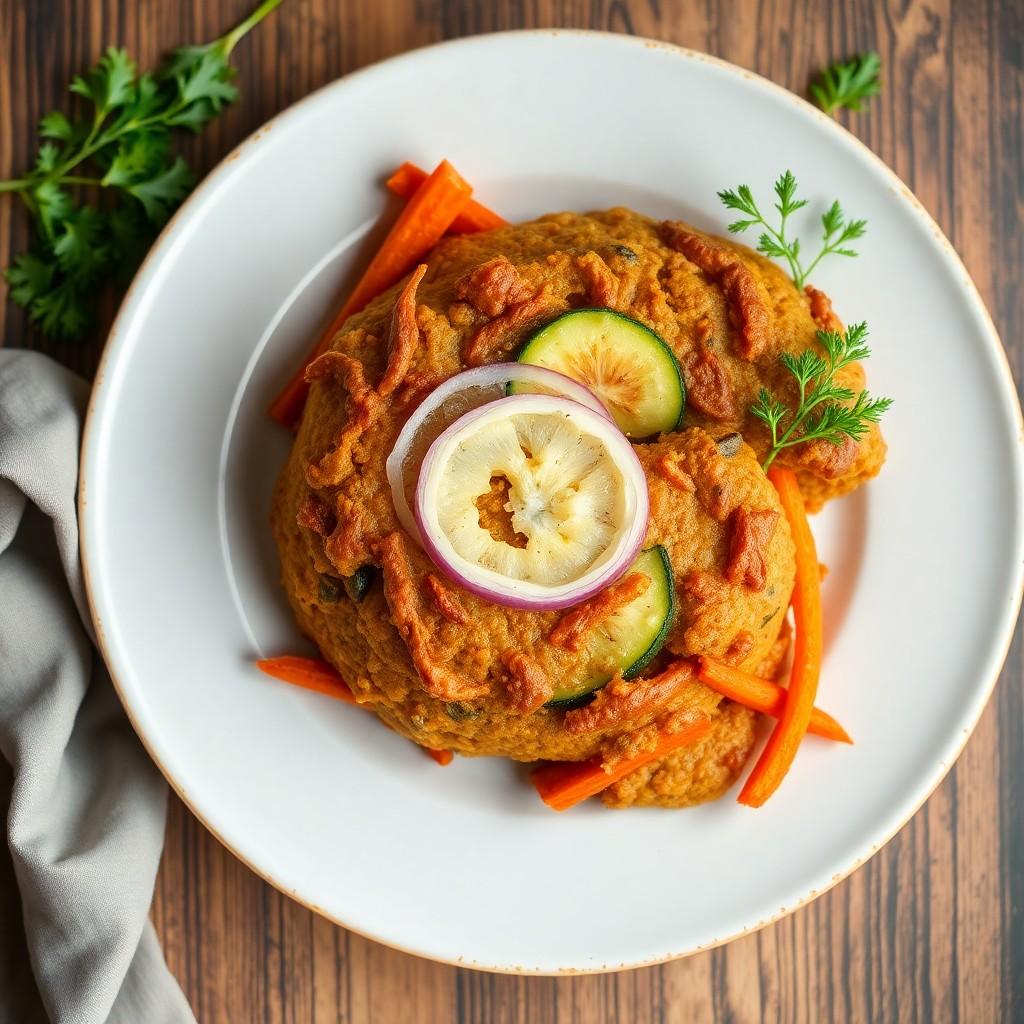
932 929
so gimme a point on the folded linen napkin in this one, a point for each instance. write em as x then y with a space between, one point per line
84 806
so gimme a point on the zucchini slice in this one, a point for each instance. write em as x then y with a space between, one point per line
623 362
627 640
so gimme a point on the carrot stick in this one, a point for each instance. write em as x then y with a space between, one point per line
764 696
309 673
563 784
473 218
442 757
782 745
426 217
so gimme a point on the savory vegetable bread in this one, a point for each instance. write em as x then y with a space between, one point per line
676 332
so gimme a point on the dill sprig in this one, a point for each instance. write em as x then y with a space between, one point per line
774 241
825 410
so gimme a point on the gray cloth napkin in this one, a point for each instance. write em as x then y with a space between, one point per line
85 807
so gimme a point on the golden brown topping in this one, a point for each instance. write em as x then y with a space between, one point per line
315 515
740 648
404 601
702 586
751 534
746 297
669 469
526 687
502 332
602 285
403 336
445 601
493 287
707 384
621 702
824 458
343 367
821 310
347 547
571 630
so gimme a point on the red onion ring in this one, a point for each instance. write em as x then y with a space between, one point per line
447 402
515 593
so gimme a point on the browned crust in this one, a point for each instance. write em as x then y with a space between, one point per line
445 601
493 286
821 310
501 332
751 534
570 631
315 515
527 686
403 336
621 702
601 283
404 601
746 297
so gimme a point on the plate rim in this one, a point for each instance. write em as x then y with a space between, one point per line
133 297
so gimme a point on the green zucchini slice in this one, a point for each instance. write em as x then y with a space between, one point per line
627 640
623 362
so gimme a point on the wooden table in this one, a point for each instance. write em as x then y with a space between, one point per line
932 929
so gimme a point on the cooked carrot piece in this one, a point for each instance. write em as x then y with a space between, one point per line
442 757
563 784
764 696
309 673
426 217
782 745
473 218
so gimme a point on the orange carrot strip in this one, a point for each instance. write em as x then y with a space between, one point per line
563 784
426 217
309 673
782 745
473 218
442 757
764 696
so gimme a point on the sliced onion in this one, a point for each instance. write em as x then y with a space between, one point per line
583 527
450 400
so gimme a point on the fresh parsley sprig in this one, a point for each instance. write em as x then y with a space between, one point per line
825 410
837 231
848 83
104 182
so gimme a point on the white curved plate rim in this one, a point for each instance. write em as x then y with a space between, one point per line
98 408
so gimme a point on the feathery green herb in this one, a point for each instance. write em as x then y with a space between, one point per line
119 148
837 231
825 410
848 83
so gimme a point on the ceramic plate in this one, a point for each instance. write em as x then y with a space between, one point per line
465 864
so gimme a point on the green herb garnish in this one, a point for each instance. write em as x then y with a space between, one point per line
837 231
848 83
121 148
820 413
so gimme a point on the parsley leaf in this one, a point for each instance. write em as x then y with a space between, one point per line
120 145
824 410
837 231
847 84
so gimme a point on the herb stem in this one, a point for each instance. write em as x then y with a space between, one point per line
228 42
15 185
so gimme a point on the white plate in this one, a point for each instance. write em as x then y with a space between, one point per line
464 864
